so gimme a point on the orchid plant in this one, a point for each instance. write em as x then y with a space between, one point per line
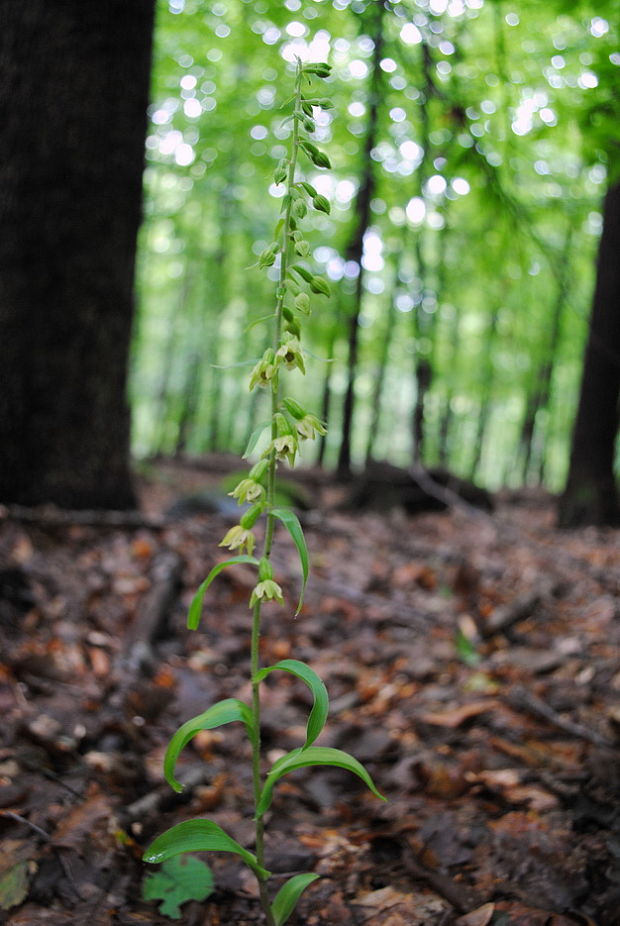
289 426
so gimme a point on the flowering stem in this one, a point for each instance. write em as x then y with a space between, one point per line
271 488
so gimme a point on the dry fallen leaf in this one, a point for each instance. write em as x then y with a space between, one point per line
480 917
459 715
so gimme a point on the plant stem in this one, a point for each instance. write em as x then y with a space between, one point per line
256 756
271 488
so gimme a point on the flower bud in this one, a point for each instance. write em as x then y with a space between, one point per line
293 327
259 470
281 172
302 303
319 70
319 285
321 203
303 272
294 408
251 516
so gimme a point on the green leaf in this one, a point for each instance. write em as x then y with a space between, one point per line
223 712
195 608
466 649
198 836
258 321
320 708
180 879
14 885
291 523
313 755
286 899
254 438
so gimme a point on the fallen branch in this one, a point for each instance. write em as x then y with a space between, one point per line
50 516
520 699
517 610
153 613
461 898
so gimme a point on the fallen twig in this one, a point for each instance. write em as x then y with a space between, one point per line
520 699
51 516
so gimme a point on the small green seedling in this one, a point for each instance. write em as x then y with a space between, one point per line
180 879
288 426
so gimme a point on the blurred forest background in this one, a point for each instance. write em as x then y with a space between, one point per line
472 144
472 245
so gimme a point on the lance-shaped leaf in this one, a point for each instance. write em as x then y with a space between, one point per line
291 523
313 755
195 608
320 708
254 438
198 836
286 899
216 716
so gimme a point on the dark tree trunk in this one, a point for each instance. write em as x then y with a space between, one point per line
424 322
591 496
539 398
73 91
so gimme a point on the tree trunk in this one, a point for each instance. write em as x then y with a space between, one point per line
486 404
591 495
379 379
355 248
74 92
539 398
424 322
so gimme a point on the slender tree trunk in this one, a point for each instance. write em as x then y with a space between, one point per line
355 248
73 94
591 495
166 422
538 400
447 416
326 399
423 371
382 365
484 412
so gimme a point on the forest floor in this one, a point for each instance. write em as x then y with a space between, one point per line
472 665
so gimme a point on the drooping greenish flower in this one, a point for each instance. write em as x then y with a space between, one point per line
290 354
267 590
309 426
285 447
265 370
248 490
239 537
